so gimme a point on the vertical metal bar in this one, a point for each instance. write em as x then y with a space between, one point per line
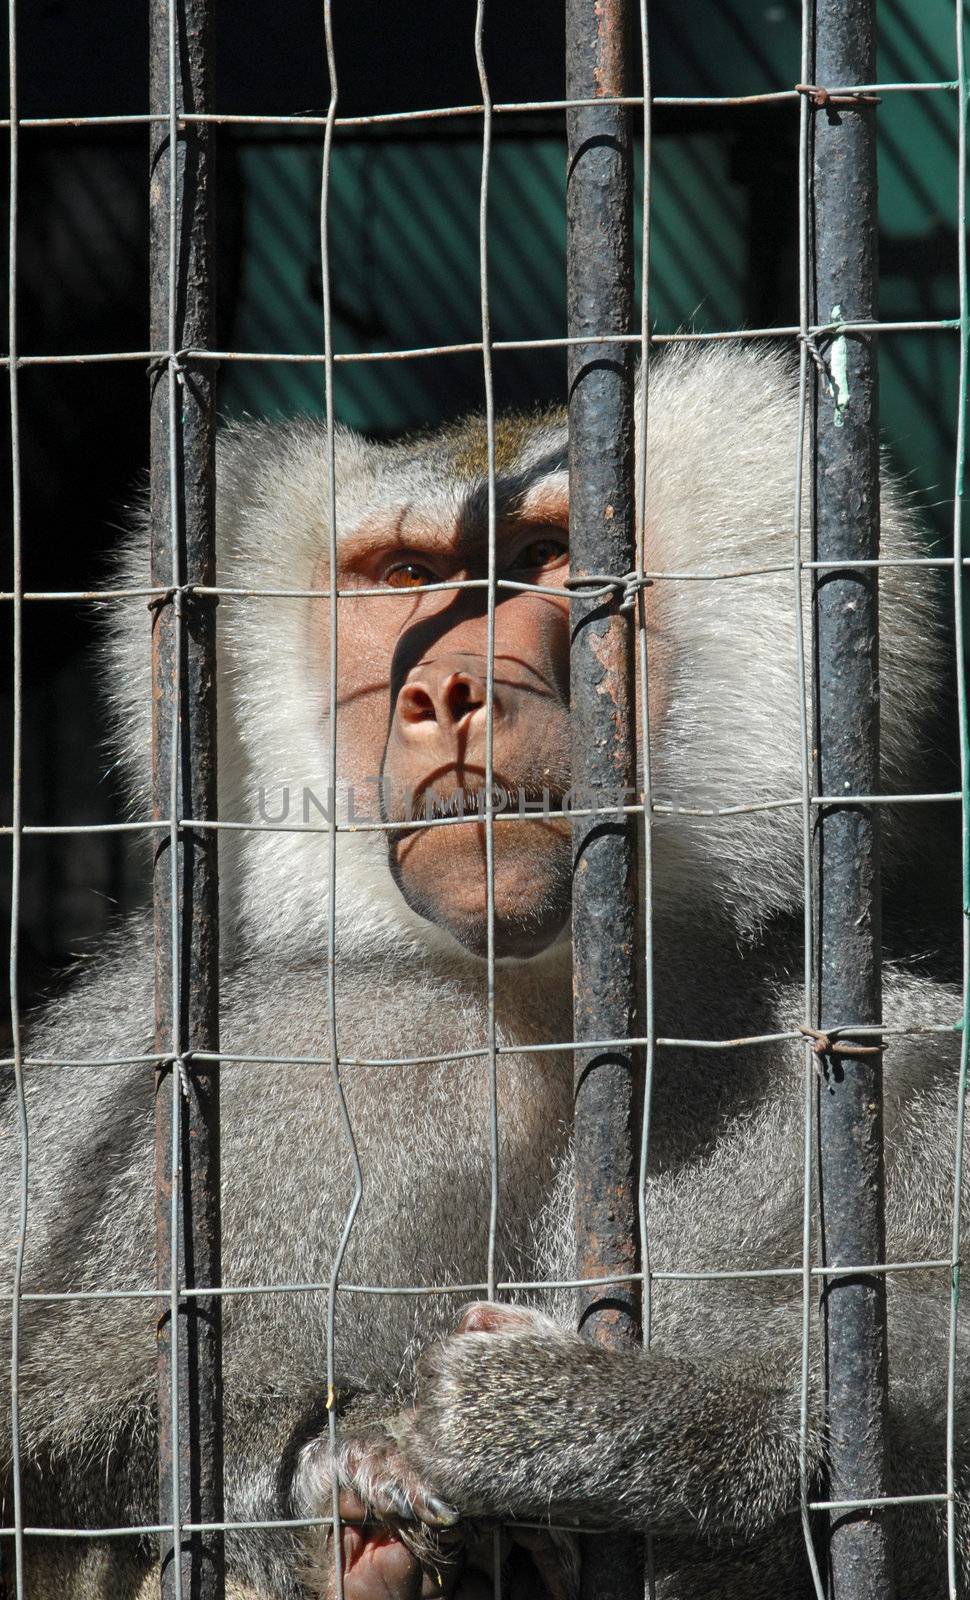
643 691
802 688
643 688
186 888
847 881
606 959
17 1588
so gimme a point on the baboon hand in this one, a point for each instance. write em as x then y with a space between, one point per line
397 1538
373 1467
494 1403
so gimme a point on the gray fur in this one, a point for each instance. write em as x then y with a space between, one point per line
528 1423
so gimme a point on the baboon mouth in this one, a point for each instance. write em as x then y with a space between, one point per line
434 800
467 802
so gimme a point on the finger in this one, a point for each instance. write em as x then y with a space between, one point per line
485 1316
352 1508
431 1510
396 1494
377 1566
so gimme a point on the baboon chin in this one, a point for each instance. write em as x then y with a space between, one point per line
442 874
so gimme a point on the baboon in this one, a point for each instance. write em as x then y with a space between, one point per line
514 1416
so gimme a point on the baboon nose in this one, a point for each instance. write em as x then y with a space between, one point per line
442 692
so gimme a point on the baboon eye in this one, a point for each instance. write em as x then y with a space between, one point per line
408 575
541 553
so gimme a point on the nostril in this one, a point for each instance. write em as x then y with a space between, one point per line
463 695
440 693
414 704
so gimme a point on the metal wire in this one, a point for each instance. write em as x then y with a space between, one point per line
489 395
507 1286
436 113
964 730
489 797
470 1053
474 346
335 1070
177 1042
703 575
489 1054
658 808
16 522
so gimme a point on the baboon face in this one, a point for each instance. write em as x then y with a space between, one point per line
412 714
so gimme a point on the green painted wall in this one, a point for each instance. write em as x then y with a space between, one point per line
404 266
404 239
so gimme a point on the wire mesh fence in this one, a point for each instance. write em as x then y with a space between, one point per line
185 824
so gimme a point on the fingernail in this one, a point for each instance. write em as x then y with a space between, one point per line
440 1513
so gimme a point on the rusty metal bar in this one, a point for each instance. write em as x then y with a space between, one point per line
848 943
606 957
184 786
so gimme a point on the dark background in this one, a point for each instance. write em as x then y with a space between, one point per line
405 273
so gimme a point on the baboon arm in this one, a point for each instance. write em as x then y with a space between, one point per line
538 1423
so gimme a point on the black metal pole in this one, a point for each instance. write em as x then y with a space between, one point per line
847 909
184 709
606 966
